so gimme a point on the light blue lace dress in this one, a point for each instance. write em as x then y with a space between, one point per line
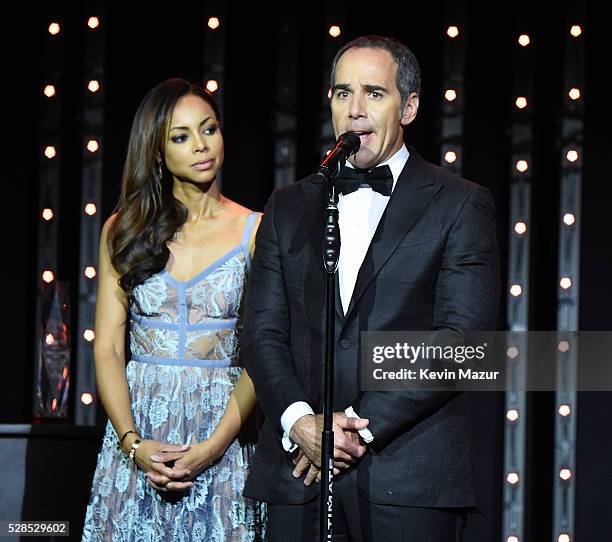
181 375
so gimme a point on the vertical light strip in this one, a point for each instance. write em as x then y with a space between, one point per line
453 94
333 39
572 123
92 99
513 519
285 117
213 70
51 90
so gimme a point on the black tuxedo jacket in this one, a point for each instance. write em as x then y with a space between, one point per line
432 265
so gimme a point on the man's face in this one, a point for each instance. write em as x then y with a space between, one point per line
365 99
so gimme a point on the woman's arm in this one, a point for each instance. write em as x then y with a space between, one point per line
109 358
241 403
109 349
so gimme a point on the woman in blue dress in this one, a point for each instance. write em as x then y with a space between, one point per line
173 264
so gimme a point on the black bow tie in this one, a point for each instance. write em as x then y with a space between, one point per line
379 179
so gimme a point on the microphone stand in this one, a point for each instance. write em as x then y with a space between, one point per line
331 254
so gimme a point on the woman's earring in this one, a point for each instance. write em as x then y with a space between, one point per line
159 169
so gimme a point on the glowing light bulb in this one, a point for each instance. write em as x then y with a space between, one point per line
516 290
93 85
450 157
90 272
572 155
212 85
450 95
334 31
49 91
565 410
512 352
524 40
92 145
575 30
48 276
50 152
54 29
563 346
214 23
569 219
512 478
93 22
89 335
512 415
565 474
91 209
86 398
521 102
49 339
565 283
452 31
574 93
520 228
563 537
47 214
522 166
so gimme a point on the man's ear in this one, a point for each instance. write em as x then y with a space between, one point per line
410 109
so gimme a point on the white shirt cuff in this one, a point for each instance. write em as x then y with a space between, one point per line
291 415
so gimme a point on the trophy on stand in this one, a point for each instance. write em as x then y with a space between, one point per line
52 378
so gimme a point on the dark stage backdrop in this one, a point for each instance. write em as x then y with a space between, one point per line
147 44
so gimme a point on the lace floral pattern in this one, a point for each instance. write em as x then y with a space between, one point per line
151 295
217 297
177 405
180 404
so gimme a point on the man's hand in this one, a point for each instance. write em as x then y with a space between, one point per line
306 433
303 464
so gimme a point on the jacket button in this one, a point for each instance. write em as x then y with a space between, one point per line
345 344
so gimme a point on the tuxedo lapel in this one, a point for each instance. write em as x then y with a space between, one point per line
314 200
413 191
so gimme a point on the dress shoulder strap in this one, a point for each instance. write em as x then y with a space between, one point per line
246 237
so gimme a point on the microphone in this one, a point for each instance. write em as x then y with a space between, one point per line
348 144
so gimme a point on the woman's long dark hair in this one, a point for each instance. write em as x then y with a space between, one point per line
147 214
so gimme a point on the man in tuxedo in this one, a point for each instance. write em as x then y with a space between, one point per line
418 252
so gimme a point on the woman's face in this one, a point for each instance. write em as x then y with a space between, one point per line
194 144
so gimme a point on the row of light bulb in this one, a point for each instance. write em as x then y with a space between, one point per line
513 478
563 537
516 289
334 30
513 351
450 95
521 228
50 151
564 410
55 28
523 40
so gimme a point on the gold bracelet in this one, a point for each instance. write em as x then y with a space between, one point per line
123 438
133 449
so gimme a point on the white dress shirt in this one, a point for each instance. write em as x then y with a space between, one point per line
359 215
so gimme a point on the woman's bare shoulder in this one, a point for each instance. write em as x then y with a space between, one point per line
237 211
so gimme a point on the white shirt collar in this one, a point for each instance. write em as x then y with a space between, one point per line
396 163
